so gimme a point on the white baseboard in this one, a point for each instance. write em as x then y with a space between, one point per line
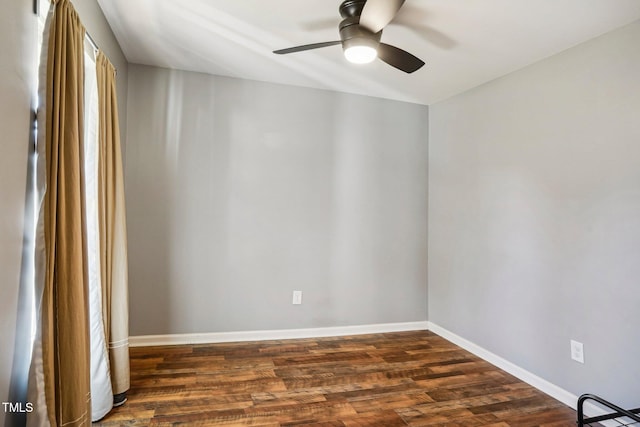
541 384
281 334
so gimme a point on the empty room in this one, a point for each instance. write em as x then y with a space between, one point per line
320 213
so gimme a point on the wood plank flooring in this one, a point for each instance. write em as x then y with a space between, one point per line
388 380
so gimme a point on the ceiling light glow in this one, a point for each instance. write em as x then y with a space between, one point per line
359 54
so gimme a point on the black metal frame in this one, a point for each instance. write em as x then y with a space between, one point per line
618 411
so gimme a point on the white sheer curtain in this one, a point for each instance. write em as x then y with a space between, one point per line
101 392
35 390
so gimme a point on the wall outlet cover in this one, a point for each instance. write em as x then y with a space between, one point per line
577 351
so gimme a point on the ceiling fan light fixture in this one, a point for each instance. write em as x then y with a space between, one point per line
360 33
360 51
360 54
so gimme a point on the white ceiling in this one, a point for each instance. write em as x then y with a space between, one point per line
464 42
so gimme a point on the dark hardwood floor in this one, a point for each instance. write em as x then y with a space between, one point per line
396 379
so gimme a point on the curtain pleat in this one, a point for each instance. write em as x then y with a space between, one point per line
113 237
65 312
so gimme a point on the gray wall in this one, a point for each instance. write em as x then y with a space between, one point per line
534 216
18 40
239 192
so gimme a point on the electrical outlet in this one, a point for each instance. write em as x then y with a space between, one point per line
297 297
577 351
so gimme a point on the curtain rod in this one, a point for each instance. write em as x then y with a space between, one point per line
95 46
90 40
36 10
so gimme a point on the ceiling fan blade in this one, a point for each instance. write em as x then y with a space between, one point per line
306 47
401 59
376 14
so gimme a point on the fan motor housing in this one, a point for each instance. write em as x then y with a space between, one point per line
351 8
351 32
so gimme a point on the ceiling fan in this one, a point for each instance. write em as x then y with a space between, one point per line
360 33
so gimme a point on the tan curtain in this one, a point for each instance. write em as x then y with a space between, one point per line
113 234
65 310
